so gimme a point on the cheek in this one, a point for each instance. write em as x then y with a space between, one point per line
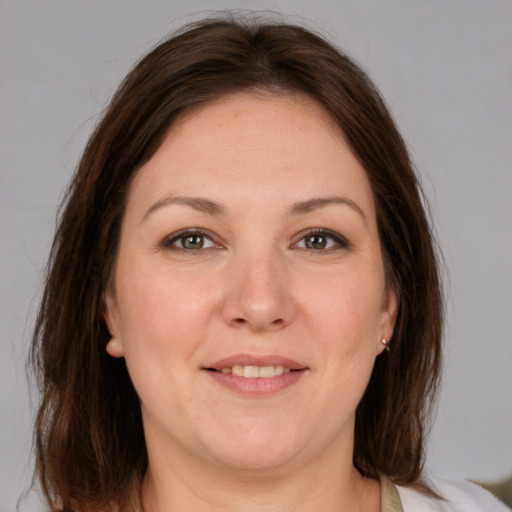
162 325
161 312
346 321
346 307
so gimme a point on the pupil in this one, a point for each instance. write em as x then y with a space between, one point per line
193 242
316 242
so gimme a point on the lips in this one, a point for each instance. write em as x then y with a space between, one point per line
254 372
258 361
256 375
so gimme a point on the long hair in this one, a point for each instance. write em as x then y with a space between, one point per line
89 441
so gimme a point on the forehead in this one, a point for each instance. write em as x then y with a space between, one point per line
280 147
257 119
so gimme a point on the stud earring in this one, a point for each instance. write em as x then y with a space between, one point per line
384 341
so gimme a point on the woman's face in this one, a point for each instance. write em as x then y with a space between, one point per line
249 295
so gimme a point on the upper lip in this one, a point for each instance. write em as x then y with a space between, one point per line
255 360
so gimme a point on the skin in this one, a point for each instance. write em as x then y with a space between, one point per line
256 287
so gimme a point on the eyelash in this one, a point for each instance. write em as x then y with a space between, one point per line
168 242
339 240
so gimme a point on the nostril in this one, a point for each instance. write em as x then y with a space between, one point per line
241 321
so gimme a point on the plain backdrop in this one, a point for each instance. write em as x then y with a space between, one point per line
445 68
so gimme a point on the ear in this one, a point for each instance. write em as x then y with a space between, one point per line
111 316
389 312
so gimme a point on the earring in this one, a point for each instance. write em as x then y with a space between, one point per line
384 341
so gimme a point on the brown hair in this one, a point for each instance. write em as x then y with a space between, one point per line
89 439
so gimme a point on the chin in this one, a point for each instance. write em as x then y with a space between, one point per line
254 460
256 447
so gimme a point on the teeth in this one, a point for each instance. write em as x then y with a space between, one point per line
253 372
238 371
266 371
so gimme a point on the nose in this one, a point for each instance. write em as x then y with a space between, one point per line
259 294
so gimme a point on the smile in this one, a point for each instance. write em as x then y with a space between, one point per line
254 372
256 375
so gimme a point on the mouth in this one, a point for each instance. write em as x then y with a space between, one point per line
254 372
256 375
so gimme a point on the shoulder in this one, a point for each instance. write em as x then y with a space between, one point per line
459 496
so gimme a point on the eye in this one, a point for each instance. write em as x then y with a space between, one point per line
189 241
322 240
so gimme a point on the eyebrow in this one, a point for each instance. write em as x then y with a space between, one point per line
310 205
204 205
197 203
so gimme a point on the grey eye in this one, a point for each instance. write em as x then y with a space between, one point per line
190 240
316 241
193 241
322 240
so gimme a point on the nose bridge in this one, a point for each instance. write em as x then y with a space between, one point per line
258 294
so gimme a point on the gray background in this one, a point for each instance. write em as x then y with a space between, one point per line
444 67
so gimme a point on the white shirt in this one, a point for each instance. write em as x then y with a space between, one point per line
459 495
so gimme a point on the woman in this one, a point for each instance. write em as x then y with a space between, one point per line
242 308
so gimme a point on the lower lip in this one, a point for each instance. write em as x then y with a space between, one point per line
259 386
